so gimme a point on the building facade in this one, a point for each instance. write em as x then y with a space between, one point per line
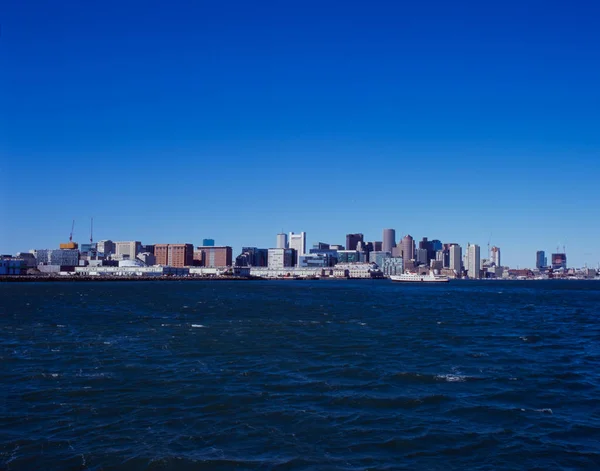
281 258
389 240
474 266
408 247
298 243
282 242
495 256
127 250
105 248
174 255
58 257
393 266
348 256
455 263
540 259
219 256
352 241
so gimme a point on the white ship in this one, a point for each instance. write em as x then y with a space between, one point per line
414 278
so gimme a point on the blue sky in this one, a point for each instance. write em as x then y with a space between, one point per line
173 122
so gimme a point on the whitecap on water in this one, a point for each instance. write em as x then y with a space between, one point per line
452 378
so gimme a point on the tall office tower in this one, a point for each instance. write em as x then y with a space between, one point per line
428 246
208 242
298 243
378 246
352 240
455 258
540 259
408 248
495 256
282 242
389 240
474 261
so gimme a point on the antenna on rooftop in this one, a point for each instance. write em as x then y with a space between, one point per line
92 231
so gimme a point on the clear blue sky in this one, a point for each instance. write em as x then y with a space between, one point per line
176 121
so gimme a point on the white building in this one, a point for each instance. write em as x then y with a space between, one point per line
60 257
495 256
474 261
131 271
282 242
127 250
298 243
455 258
280 258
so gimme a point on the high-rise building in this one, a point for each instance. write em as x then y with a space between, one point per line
474 265
298 243
352 241
281 258
127 250
215 256
389 240
495 256
174 255
408 248
208 242
559 261
282 242
540 259
378 246
455 258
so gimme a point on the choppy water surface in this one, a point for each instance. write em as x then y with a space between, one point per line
300 375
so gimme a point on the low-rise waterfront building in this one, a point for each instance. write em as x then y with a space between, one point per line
156 270
59 257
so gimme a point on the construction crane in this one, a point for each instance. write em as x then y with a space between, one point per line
70 245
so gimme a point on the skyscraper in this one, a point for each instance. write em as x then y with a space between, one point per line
455 258
474 261
495 256
298 243
408 248
352 240
389 240
540 259
282 242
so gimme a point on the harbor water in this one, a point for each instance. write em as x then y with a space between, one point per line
324 375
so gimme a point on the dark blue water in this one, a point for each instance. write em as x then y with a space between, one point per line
320 375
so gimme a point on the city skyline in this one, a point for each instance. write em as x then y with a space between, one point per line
453 121
405 243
